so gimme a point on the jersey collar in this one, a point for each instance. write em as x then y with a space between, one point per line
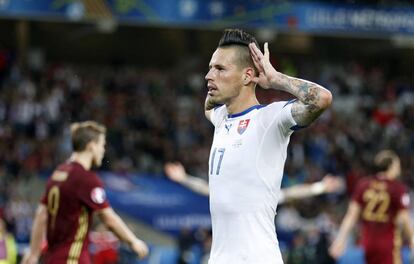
245 111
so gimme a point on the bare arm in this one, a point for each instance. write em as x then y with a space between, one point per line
352 215
176 172
328 184
37 235
404 220
197 185
209 107
313 99
121 230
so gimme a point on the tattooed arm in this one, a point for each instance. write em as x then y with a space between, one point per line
313 99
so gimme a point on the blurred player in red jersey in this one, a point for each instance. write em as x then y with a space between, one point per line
73 194
382 204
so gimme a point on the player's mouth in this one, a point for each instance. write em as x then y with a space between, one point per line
211 89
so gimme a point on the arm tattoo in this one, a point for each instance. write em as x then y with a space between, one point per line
309 105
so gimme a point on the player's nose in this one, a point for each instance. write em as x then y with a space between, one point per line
209 75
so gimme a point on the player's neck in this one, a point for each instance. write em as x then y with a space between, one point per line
386 175
83 158
241 103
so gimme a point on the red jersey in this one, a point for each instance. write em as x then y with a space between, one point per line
72 194
380 201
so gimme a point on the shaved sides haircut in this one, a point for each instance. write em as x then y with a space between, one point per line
239 39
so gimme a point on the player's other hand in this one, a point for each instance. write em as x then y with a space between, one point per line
175 171
337 249
29 258
333 183
268 76
140 248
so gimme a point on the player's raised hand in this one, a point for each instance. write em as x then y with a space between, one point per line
268 76
29 258
140 248
332 183
175 171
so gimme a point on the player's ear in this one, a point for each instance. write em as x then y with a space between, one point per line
248 75
90 146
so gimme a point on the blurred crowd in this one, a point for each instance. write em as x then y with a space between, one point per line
378 3
154 116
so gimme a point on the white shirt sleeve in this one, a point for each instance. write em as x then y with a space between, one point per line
279 116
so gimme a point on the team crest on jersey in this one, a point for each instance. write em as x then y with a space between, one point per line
243 124
98 195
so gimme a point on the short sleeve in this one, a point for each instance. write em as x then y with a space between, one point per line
43 199
358 192
218 114
279 115
92 193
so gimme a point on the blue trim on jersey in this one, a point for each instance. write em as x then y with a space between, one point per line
246 111
290 102
297 127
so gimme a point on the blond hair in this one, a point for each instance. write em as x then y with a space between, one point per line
384 159
84 132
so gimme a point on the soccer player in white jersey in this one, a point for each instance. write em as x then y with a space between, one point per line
249 147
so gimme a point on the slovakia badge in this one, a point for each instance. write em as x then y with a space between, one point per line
243 124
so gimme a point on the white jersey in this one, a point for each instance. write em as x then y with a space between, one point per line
245 172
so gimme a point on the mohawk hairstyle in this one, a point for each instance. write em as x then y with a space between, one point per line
236 37
241 40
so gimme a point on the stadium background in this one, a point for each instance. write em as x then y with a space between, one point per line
138 66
